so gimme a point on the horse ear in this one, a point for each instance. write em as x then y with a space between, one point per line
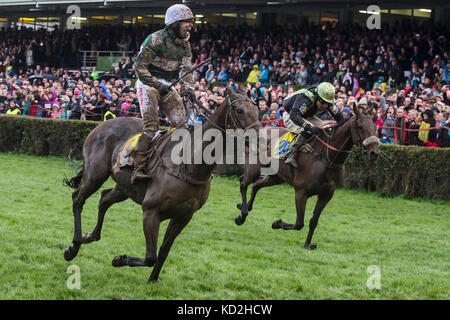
355 109
369 111
230 91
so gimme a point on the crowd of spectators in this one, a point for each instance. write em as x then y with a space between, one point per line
402 71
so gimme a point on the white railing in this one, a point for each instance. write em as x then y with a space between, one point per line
89 58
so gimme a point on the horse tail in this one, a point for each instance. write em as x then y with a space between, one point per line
74 182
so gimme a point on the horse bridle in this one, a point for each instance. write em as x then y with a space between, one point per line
363 143
231 114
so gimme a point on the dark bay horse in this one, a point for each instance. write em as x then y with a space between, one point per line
319 172
162 197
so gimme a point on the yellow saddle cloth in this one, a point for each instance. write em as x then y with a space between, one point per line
284 145
125 155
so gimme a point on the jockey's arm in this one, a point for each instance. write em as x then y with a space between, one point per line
301 105
186 66
143 61
336 114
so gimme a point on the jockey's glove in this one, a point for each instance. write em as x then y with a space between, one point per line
313 129
163 90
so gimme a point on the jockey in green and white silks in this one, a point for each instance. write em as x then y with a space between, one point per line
164 55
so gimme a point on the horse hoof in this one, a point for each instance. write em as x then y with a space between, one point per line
239 220
239 205
120 261
70 253
311 246
276 224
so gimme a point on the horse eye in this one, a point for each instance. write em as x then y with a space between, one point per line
239 111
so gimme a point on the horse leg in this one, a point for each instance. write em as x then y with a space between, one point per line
108 198
151 224
244 183
322 201
300 204
251 174
263 182
79 197
173 230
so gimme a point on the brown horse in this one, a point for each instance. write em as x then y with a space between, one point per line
162 197
319 172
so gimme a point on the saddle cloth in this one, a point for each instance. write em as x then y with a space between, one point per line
125 157
284 144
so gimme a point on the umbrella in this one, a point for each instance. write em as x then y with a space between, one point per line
46 76
107 77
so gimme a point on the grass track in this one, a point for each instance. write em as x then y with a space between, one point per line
213 258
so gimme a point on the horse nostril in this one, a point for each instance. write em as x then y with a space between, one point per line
373 155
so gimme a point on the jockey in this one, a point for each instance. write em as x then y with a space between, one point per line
301 108
163 56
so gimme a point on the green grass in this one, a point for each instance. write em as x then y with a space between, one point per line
213 258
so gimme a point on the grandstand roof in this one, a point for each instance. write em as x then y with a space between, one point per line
13 7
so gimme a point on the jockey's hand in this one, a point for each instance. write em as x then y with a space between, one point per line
313 129
190 94
163 90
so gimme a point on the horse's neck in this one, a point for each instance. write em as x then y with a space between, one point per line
202 171
341 139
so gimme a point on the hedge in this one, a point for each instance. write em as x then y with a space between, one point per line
414 171
40 136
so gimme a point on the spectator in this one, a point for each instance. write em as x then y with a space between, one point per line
443 139
13 109
413 124
112 113
263 109
346 112
387 134
264 76
209 76
253 76
400 126
428 136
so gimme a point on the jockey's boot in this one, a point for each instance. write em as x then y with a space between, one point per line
298 143
140 158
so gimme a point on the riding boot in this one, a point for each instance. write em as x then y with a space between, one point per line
299 142
140 158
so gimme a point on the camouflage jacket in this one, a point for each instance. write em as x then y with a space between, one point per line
163 56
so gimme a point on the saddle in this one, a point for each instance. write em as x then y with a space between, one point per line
159 141
154 159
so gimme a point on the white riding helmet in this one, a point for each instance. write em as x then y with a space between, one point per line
178 12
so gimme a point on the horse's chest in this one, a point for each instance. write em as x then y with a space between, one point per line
322 179
185 201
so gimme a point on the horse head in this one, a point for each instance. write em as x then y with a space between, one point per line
363 132
242 113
